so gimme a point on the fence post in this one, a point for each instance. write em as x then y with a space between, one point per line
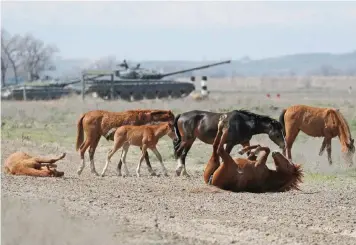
83 86
204 87
24 93
112 87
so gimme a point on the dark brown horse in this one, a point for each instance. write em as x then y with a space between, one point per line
99 123
203 125
249 174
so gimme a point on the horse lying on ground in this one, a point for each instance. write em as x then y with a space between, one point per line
145 136
251 174
204 126
317 122
20 163
104 123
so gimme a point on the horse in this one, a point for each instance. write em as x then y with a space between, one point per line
249 174
317 122
21 163
99 123
203 125
144 136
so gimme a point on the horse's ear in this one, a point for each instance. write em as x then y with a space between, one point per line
352 141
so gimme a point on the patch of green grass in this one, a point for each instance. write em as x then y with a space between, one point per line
38 133
319 177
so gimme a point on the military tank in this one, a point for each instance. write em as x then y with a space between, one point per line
136 83
39 90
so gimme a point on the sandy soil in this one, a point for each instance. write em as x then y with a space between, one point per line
167 210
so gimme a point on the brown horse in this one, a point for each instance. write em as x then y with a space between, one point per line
317 122
144 136
21 163
251 174
99 123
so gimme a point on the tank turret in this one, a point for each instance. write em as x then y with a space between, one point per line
136 83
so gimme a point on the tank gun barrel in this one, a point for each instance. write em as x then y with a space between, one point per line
195 68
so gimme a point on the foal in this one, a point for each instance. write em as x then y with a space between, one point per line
144 136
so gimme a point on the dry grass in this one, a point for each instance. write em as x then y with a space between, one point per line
154 209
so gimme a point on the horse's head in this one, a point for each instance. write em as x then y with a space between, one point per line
161 115
275 133
350 152
282 163
287 175
170 131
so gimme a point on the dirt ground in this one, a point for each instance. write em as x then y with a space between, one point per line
170 210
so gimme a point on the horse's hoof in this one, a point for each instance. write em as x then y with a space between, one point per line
177 173
153 174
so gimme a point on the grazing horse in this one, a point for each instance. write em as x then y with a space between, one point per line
317 122
204 126
251 174
99 123
144 136
21 163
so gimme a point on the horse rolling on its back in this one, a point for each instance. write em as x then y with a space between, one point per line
146 137
243 125
317 122
249 174
99 123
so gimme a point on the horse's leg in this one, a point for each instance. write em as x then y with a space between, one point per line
35 172
117 145
92 149
226 171
159 157
123 158
247 149
322 148
290 138
181 160
328 150
149 167
49 159
263 159
82 152
144 149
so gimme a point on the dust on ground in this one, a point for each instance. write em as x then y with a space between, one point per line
109 210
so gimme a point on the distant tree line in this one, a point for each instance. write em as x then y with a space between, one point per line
25 56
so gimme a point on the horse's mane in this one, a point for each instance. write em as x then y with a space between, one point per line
344 125
291 183
257 116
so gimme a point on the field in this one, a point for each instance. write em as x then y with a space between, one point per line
175 210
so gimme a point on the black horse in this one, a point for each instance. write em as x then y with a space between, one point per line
203 125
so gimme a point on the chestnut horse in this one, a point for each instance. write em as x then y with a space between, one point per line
99 123
317 122
203 125
21 163
251 174
144 136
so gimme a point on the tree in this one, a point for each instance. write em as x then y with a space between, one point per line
10 54
105 63
36 56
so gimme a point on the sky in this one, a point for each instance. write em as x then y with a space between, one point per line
185 30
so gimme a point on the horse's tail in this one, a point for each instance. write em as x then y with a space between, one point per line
178 140
80 133
281 120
